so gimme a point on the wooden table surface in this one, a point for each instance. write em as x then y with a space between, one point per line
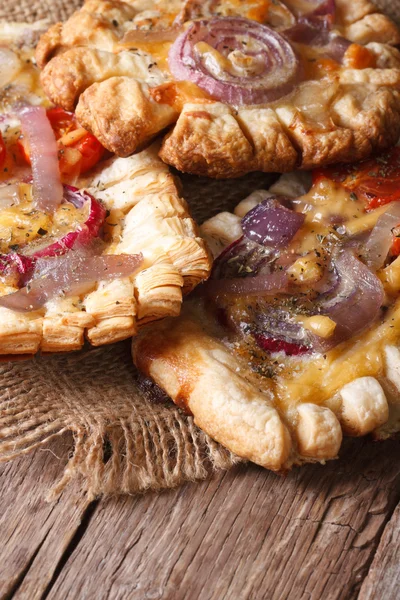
321 532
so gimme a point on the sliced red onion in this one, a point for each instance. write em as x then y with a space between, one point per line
243 258
356 301
23 264
17 265
273 345
332 45
69 275
84 233
307 9
260 285
47 186
276 331
353 304
380 240
274 69
325 12
272 224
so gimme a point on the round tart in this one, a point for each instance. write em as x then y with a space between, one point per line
243 86
295 337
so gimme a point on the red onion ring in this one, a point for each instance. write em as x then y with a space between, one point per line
277 62
69 275
23 264
356 301
47 186
84 233
271 224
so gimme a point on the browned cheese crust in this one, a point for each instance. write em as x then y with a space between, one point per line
115 92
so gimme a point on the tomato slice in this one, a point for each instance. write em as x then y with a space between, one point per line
3 152
74 157
91 151
395 249
376 180
61 121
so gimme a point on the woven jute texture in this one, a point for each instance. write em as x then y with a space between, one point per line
123 441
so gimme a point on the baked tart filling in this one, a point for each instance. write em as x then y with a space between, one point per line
294 338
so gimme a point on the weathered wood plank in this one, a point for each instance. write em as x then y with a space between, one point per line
34 533
247 534
383 580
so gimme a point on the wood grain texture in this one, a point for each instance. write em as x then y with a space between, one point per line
383 580
246 534
34 533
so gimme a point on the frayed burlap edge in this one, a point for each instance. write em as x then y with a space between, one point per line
123 441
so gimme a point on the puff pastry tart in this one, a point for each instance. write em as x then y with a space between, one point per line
295 338
88 244
256 85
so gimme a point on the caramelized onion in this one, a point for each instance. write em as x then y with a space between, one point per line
260 285
47 186
68 275
84 233
271 224
355 303
254 64
380 240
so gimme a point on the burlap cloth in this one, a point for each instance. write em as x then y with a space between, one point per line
123 441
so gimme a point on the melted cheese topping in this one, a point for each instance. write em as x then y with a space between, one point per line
178 93
318 379
21 223
22 83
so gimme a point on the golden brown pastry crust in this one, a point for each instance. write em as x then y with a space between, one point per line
122 115
212 138
151 218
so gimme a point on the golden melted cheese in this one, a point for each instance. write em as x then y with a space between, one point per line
331 210
22 82
22 223
318 379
